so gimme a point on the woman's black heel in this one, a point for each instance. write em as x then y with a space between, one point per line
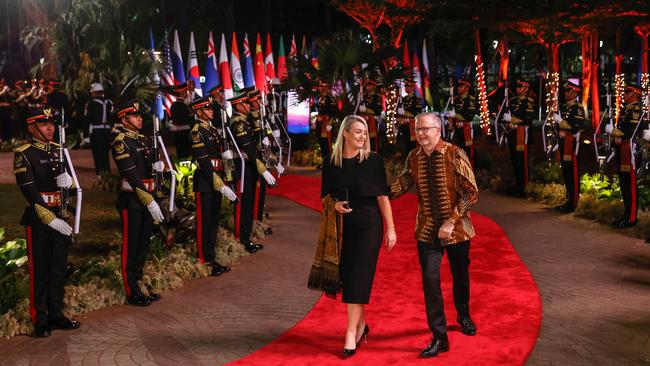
364 335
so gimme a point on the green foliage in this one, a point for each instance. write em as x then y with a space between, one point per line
184 185
600 186
13 287
547 172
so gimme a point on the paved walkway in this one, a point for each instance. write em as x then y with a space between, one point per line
594 283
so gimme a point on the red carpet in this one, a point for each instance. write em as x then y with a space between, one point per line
505 303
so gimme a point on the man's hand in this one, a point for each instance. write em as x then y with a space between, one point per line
155 211
268 177
279 168
266 142
507 117
391 238
339 206
557 118
228 193
227 155
446 231
61 226
64 180
328 128
362 108
451 113
158 166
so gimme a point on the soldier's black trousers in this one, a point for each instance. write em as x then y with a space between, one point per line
100 143
430 255
261 199
47 251
182 143
629 193
6 124
519 161
137 226
324 147
248 203
570 175
208 215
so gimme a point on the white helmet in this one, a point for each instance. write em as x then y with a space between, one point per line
96 87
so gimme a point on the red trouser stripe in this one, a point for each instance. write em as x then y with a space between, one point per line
633 191
576 181
30 255
125 249
199 226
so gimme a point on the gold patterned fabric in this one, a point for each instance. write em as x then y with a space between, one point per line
324 275
446 190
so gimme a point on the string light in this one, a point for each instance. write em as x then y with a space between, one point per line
391 111
484 114
645 87
619 90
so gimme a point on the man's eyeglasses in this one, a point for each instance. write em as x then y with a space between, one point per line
425 129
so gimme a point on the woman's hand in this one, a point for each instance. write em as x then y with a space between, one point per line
338 206
446 231
391 238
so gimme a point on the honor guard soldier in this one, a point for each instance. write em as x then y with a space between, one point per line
56 98
37 170
36 97
138 210
628 123
327 109
21 92
208 183
411 107
518 119
253 168
6 124
182 118
98 113
461 116
217 105
571 124
370 108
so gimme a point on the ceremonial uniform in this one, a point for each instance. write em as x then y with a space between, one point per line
521 107
133 156
372 104
98 113
6 124
412 106
628 121
36 166
570 128
182 118
327 109
207 183
465 109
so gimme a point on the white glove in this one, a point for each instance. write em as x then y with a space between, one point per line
279 168
276 134
609 128
451 114
362 108
60 226
268 178
646 135
507 117
265 141
557 118
64 180
155 211
86 141
227 155
228 193
158 166
400 111
328 128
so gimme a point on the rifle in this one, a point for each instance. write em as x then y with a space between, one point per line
499 123
66 161
159 144
239 152
228 164
603 161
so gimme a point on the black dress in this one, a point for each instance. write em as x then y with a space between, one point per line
359 183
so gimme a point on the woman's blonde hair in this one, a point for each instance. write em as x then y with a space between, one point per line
337 149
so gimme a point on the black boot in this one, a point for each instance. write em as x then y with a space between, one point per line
64 324
138 300
439 344
250 247
467 325
42 331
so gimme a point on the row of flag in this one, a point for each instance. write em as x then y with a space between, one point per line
256 69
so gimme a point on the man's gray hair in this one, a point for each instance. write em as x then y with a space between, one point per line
435 118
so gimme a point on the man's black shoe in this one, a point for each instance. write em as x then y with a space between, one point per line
250 247
258 246
617 222
625 224
64 324
224 269
467 326
42 331
268 231
439 344
153 297
138 300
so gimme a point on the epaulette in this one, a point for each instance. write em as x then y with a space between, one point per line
571 103
531 99
472 97
54 144
22 148
119 137
195 128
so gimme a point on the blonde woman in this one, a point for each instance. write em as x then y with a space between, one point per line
355 177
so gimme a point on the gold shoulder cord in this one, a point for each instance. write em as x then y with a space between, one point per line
217 182
46 216
261 167
144 197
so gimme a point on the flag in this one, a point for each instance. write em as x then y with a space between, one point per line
237 78
260 77
249 77
224 68
425 75
167 75
303 50
293 50
406 60
283 72
177 61
415 61
269 65
314 54
193 67
160 111
211 70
